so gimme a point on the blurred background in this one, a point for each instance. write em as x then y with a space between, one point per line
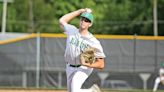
32 45
121 17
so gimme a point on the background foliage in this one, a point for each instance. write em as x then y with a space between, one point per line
119 17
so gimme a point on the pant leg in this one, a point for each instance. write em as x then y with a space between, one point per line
156 83
76 77
79 78
77 82
69 73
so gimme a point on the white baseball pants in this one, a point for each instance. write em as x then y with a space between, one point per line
76 76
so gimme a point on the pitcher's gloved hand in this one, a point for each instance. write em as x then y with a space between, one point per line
88 55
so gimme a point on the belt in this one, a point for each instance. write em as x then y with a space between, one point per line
74 65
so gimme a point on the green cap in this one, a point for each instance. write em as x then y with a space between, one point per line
88 16
162 64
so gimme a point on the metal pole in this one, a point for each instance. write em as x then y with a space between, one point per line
4 15
24 79
38 61
31 21
3 29
59 79
134 57
156 55
155 17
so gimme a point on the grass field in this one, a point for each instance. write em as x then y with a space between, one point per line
131 91
61 90
31 90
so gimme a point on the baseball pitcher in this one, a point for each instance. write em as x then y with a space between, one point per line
83 51
159 79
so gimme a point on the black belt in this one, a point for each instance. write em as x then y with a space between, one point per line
74 65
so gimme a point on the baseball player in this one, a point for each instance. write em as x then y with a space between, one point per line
159 79
78 39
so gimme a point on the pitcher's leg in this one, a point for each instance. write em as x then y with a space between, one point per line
156 83
77 82
69 72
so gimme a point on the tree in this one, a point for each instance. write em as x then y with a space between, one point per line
122 17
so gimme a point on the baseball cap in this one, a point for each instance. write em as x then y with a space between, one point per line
162 64
88 16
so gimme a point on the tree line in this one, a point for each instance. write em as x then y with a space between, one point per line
115 17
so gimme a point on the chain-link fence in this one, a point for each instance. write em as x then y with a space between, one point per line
37 60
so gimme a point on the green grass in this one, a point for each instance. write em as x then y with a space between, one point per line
135 90
103 90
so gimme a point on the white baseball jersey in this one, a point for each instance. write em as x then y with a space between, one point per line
76 44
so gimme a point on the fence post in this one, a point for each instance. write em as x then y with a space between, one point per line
24 79
59 79
134 58
134 54
38 60
156 56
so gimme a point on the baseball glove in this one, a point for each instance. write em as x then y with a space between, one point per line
162 82
88 55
